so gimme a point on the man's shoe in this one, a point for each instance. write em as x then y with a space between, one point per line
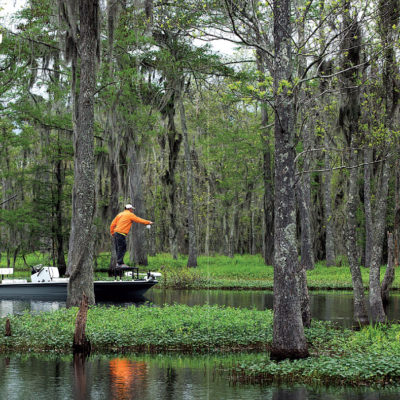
122 266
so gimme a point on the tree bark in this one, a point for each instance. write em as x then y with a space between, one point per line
349 115
59 236
389 14
375 295
360 311
367 207
304 203
390 271
81 344
135 167
192 259
80 256
288 332
329 235
174 140
268 195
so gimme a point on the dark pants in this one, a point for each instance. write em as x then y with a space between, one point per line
120 247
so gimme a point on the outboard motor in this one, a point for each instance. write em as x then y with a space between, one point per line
44 274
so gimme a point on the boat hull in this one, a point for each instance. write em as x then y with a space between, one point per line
57 291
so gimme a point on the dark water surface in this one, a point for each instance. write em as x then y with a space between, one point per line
327 306
147 378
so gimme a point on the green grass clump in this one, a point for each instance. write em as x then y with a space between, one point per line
370 356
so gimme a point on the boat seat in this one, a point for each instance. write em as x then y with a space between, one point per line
120 271
13 281
6 271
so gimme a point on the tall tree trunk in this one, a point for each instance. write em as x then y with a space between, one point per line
59 236
207 237
375 294
389 14
174 140
348 121
390 271
114 202
135 167
80 256
192 259
360 311
304 203
329 236
268 195
233 230
396 227
288 332
112 129
367 207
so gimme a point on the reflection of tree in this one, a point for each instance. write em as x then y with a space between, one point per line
170 383
290 394
127 378
80 376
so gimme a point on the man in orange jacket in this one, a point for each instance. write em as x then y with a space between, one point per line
120 227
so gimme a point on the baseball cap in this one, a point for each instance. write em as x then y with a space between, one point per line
129 206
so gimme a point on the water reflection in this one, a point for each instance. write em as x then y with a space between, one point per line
330 306
148 378
127 378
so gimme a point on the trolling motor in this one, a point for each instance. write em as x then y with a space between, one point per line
152 276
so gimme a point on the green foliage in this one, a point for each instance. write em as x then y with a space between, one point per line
340 357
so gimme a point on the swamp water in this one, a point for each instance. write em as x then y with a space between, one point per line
169 376
327 306
148 378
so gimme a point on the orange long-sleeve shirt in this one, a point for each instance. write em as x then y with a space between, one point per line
123 221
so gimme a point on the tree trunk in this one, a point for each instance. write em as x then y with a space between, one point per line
304 297
349 115
288 332
174 140
304 203
59 236
192 259
135 172
396 227
112 130
114 203
390 271
389 14
329 236
360 311
80 256
81 343
367 206
375 295
207 237
268 196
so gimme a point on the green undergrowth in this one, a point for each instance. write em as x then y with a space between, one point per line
367 357
247 272
150 329
338 356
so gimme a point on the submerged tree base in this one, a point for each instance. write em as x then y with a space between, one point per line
284 354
